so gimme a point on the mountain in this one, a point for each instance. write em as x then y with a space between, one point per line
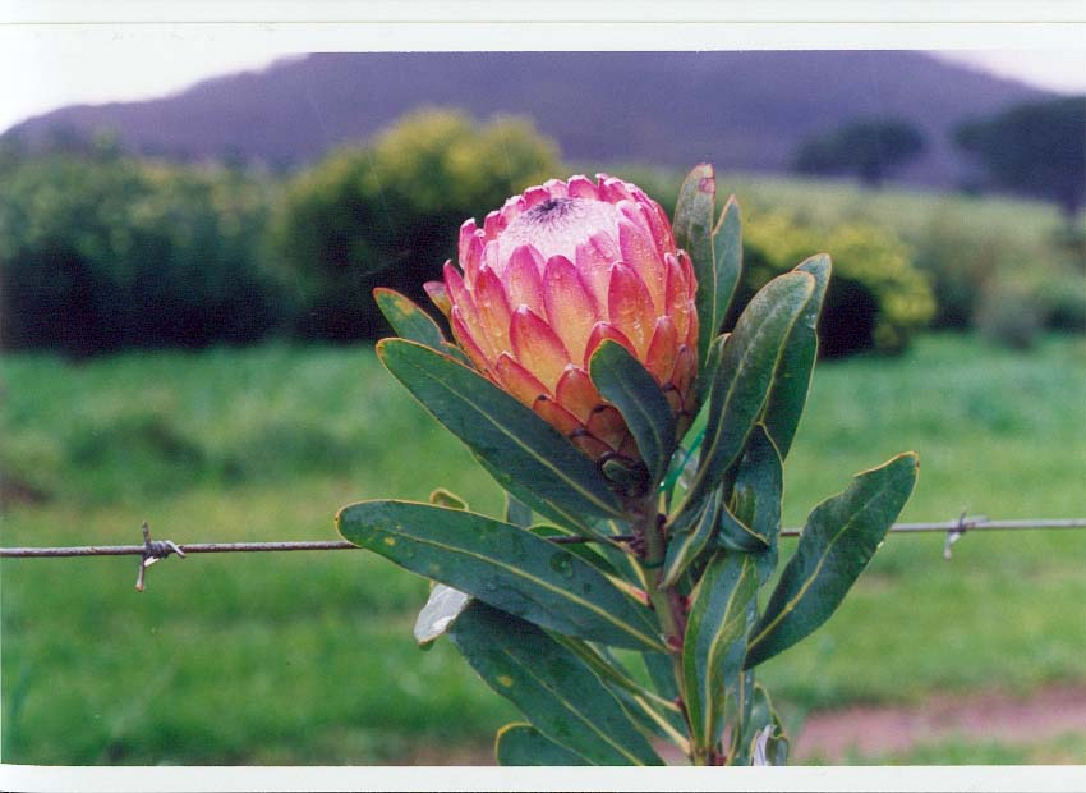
742 110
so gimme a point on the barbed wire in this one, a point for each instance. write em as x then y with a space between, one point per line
152 551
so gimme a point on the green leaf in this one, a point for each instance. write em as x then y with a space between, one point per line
753 743
839 539
727 258
554 689
523 744
715 642
539 505
653 712
693 229
684 546
740 692
441 610
517 512
756 501
662 673
748 364
707 375
734 535
581 549
407 319
624 382
793 380
441 497
522 451
503 565
768 744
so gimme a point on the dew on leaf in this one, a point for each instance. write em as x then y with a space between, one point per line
562 563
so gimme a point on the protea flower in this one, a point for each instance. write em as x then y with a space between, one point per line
550 276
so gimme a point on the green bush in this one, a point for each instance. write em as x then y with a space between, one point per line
99 252
387 214
1008 315
875 300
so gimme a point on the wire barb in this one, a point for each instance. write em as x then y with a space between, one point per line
956 533
153 550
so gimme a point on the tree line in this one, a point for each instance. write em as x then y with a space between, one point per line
1037 149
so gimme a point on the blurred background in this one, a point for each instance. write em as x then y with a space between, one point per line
187 323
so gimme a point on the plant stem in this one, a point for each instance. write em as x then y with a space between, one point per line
666 601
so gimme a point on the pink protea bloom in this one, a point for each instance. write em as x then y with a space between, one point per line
550 276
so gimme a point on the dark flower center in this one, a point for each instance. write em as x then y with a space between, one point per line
550 210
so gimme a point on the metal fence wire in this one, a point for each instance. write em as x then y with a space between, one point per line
152 551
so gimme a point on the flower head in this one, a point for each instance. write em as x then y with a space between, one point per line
555 272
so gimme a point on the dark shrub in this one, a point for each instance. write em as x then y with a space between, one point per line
101 253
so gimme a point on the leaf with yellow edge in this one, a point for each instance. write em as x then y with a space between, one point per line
840 537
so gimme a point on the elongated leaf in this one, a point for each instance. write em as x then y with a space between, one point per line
661 670
517 512
727 258
685 546
748 364
653 712
654 718
503 565
838 540
554 689
793 380
739 692
440 497
715 642
442 608
522 450
769 744
581 549
539 505
756 500
523 744
707 375
735 535
693 229
624 382
407 319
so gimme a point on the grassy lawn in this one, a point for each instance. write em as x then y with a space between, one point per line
308 658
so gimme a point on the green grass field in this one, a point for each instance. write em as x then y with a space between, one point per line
308 658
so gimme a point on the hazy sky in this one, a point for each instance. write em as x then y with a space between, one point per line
44 72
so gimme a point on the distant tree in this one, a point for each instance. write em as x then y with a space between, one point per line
1034 148
870 149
